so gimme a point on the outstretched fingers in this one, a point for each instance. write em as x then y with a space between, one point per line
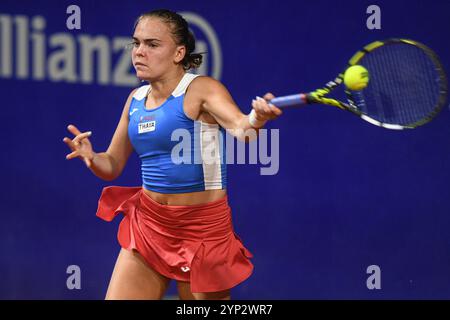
77 140
75 143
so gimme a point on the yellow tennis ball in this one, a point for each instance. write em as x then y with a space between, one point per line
356 78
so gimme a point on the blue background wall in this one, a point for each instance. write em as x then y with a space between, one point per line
347 195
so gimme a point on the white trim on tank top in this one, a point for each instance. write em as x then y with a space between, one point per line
210 143
143 91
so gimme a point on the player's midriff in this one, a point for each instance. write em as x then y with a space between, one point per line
186 199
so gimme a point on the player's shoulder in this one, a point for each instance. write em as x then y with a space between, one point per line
205 83
204 80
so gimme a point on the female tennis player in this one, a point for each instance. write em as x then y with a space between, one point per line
178 224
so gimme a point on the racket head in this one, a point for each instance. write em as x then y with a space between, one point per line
407 86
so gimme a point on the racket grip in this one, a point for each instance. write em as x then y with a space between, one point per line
288 101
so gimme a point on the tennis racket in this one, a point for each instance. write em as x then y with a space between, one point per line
407 86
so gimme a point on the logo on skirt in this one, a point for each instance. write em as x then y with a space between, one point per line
185 269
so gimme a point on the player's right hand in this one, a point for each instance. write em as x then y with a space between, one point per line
265 111
80 145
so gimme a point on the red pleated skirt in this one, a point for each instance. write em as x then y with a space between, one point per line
195 243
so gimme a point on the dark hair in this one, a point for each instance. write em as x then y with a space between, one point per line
180 32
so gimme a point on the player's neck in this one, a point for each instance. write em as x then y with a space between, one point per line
164 87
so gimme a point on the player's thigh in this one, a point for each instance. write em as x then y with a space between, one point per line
184 291
132 278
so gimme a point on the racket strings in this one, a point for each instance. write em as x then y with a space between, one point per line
404 86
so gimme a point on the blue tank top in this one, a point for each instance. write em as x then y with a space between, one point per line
177 154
